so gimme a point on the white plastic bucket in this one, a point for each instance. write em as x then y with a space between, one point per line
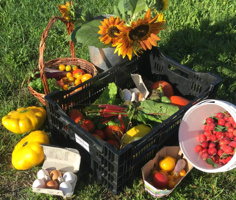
192 124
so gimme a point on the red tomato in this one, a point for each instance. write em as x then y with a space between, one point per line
166 87
113 142
112 131
78 71
100 134
87 123
76 115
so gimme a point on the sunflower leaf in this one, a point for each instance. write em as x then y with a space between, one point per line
139 6
88 34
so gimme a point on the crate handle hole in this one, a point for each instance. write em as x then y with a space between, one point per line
178 71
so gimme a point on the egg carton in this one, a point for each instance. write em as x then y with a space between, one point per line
59 160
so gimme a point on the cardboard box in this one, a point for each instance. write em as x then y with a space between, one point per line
173 151
63 159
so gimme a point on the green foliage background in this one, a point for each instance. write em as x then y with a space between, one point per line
201 34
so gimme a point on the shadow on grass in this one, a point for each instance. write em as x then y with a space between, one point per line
211 48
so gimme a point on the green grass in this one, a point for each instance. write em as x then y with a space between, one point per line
200 34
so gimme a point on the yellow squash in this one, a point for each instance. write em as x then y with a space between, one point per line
135 133
24 120
28 152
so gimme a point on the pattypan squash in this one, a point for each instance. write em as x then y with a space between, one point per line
24 120
28 152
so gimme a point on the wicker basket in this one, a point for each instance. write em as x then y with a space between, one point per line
81 63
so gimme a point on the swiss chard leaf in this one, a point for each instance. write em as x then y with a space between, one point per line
161 110
108 96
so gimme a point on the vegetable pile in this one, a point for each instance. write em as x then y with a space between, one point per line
167 172
65 77
120 117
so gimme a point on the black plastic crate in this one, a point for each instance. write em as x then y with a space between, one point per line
115 168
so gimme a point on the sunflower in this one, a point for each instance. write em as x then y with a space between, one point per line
141 35
110 29
65 10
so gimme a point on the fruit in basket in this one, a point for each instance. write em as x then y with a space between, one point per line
160 180
86 77
24 120
167 163
166 87
68 68
62 67
28 152
217 141
78 72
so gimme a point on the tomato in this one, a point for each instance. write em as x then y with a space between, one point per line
62 67
86 77
88 124
113 142
78 71
68 68
179 101
100 134
113 131
76 115
166 87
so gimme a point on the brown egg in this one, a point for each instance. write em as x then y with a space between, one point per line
52 184
54 174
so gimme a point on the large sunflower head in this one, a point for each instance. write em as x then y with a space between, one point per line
109 30
141 35
145 30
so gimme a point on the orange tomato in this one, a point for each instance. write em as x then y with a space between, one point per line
179 101
71 79
166 87
68 74
62 67
86 77
77 81
78 71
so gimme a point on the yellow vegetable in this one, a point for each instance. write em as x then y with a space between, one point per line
167 163
135 133
24 120
29 152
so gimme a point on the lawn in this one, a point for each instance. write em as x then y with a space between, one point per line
201 34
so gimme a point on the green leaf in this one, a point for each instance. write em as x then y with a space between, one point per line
117 12
211 162
219 128
161 110
88 35
121 8
139 6
108 95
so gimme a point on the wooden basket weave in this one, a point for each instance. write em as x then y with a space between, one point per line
81 63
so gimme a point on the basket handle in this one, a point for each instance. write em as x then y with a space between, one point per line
42 46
